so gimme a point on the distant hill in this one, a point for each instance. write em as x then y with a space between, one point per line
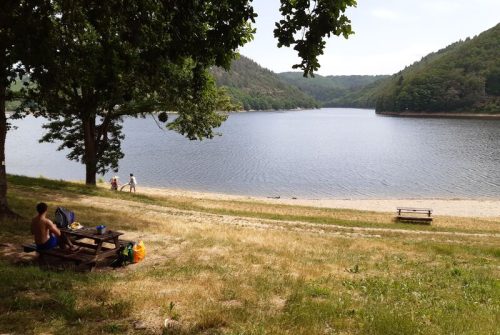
461 78
362 97
256 88
334 91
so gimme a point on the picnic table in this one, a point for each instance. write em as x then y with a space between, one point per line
110 237
95 247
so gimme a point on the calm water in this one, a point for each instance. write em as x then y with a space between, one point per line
328 153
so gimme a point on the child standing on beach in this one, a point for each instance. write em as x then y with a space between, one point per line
132 182
114 183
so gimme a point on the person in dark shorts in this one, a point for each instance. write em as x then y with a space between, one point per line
47 235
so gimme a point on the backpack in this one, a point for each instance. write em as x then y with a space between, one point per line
64 217
130 253
125 255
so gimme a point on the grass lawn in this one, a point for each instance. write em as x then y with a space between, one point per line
241 267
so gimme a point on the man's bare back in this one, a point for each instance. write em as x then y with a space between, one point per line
47 235
41 227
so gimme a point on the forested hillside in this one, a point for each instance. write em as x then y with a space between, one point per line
253 87
362 97
334 91
462 78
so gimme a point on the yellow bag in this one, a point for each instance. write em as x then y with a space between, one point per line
139 252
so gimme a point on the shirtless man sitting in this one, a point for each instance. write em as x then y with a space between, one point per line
47 235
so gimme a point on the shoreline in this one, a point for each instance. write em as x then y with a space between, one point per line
478 207
465 116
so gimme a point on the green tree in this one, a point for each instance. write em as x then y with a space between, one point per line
459 78
492 85
23 26
109 60
118 58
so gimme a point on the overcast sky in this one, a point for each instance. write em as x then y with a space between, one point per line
389 34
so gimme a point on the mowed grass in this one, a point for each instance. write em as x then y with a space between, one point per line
255 209
216 278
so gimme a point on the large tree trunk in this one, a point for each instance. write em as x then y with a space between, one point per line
4 207
90 157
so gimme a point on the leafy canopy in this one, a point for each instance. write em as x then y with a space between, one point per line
22 30
109 59
306 24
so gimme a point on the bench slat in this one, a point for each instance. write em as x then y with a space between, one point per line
77 257
416 213
29 247
416 218
414 209
56 252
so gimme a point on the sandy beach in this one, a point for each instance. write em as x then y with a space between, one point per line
441 207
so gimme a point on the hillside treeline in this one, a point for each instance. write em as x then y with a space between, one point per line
253 87
464 77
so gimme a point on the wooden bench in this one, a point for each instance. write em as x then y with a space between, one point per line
76 257
410 214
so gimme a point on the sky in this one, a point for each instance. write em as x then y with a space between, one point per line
389 34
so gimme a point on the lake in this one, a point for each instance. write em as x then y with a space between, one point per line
326 153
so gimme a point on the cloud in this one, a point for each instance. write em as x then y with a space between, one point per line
376 61
386 14
441 7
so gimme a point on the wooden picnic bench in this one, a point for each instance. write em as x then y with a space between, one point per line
75 257
101 251
95 246
409 214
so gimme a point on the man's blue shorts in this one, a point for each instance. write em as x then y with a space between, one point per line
51 243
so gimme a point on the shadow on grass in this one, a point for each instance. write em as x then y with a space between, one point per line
72 190
34 300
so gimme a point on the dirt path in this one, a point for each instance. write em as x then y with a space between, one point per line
161 212
485 208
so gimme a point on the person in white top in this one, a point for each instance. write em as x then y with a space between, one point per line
132 182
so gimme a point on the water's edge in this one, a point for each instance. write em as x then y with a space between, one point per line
466 116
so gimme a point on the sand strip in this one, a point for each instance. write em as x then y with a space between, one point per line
447 207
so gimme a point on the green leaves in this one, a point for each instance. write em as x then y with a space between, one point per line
306 24
109 60
492 85
103 60
198 109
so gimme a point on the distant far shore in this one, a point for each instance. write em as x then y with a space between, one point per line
441 207
443 115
